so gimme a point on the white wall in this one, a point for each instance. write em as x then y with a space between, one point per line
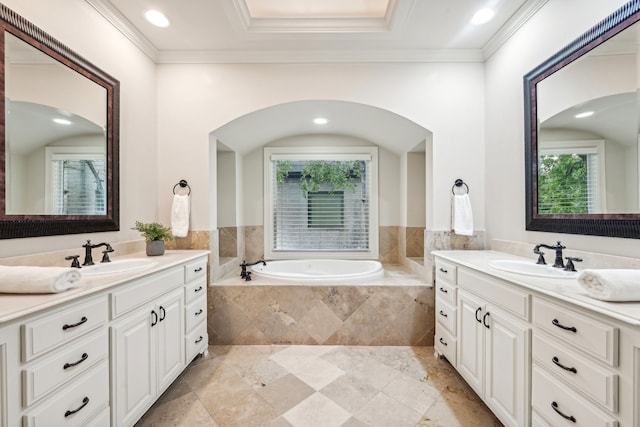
447 99
76 24
558 23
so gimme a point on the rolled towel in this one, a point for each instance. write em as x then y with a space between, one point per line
612 284
462 215
180 215
37 280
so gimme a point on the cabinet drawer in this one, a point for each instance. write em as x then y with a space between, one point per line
103 419
141 291
446 271
195 289
446 292
555 401
582 374
446 344
197 341
595 337
501 293
446 316
77 403
195 269
538 421
196 312
46 333
41 378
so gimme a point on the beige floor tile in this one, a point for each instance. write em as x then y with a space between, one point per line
286 392
416 394
185 411
385 411
457 410
317 411
350 392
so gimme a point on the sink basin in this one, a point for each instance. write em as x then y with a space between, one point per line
530 268
118 266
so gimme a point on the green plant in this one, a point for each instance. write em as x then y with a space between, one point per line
340 175
153 231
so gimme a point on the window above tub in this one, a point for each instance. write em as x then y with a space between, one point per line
321 202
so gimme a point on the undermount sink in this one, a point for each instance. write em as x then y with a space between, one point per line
530 268
118 266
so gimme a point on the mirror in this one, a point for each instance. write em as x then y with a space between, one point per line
58 137
582 133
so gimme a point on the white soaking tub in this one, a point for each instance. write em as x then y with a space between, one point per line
313 271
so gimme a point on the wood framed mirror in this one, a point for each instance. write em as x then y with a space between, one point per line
582 133
59 137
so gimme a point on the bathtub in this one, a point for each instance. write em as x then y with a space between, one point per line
312 271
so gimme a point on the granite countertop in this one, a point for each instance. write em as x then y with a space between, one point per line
15 306
563 289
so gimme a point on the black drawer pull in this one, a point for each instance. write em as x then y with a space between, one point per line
199 312
85 402
198 289
199 339
67 326
444 270
484 320
442 341
443 314
163 313
197 270
556 362
571 418
82 359
477 318
154 316
566 328
443 290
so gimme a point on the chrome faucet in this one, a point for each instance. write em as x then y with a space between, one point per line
88 257
558 263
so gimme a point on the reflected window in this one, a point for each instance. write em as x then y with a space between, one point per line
570 182
77 183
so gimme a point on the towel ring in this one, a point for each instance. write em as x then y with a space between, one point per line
182 184
459 183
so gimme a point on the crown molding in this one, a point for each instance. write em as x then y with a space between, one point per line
122 24
520 18
321 56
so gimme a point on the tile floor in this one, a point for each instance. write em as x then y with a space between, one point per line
308 386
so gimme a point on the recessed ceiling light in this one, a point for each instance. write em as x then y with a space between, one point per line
482 16
320 121
157 18
583 115
62 121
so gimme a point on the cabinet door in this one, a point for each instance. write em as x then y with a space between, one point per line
133 365
170 330
471 340
507 350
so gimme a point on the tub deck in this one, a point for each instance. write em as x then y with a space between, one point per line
396 309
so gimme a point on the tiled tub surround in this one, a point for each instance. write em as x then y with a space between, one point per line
396 309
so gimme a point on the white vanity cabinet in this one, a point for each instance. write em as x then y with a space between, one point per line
575 366
494 344
102 357
445 341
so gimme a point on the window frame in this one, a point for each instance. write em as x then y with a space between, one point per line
369 153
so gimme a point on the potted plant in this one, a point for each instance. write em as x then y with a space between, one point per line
155 235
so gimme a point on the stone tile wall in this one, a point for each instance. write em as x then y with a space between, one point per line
330 315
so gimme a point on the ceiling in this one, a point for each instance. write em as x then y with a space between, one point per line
285 31
327 30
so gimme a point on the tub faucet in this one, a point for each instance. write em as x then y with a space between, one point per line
88 257
558 263
246 275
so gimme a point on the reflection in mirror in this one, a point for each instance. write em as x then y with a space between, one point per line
58 152
588 132
582 133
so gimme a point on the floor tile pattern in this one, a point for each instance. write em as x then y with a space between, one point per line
319 386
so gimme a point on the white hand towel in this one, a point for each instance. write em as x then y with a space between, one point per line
180 215
462 215
37 280
611 285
